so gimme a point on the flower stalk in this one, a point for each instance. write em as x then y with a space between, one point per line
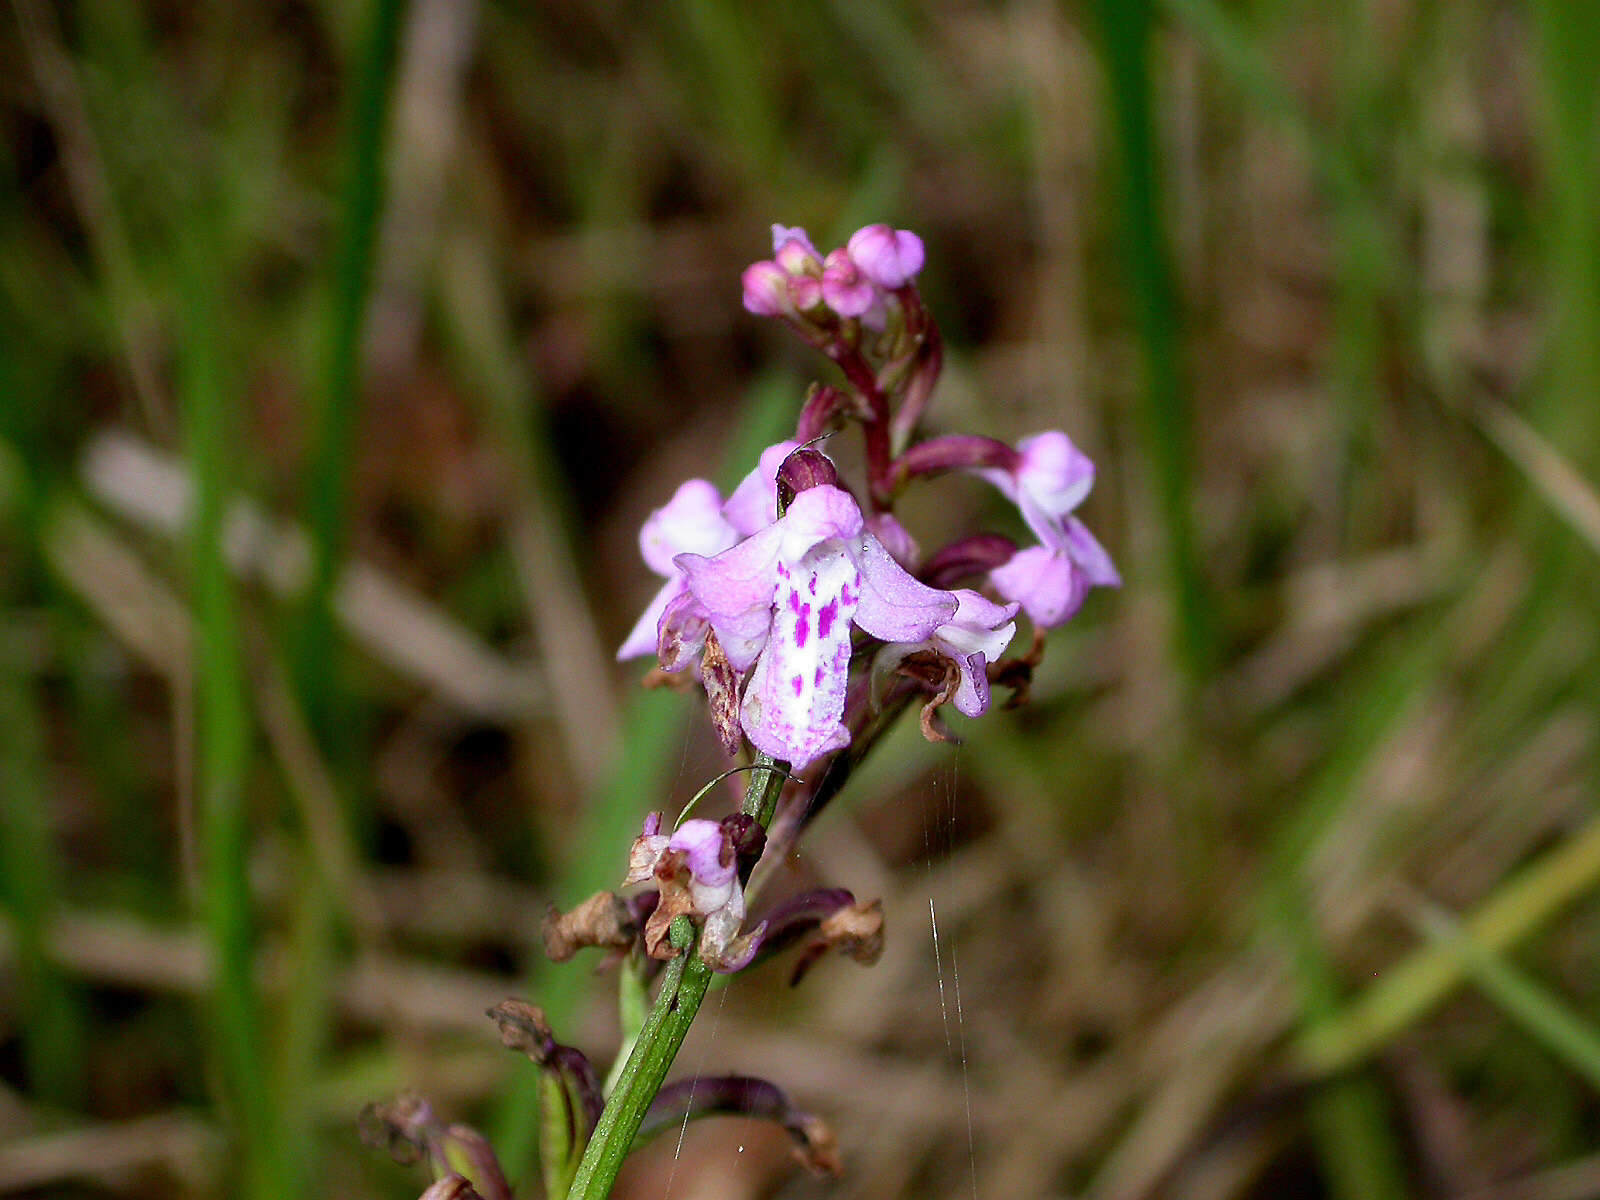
813 621
683 987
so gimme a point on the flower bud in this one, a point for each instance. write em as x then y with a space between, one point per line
846 289
793 252
766 290
887 257
804 469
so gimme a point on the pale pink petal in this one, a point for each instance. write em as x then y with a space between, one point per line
766 289
735 590
1047 583
977 636
972 639
1090 555
754 503
895 538
691 522
703 844
642 637
893 606
817 515
1051 478
844 288
791 240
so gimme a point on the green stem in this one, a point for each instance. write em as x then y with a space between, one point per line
767 775
683 987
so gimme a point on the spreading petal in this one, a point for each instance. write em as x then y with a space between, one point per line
893 606
642 638
1090 555
1050 479
973 638
735 591
691 522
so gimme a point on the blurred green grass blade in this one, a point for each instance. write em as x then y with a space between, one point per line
1240 55
222 738
1551 1022
654 724
726 39
1566 42
1408 990
302 1035
1347 1118
1372 707
338 396
1356 388
49 1012
1127 28
482 343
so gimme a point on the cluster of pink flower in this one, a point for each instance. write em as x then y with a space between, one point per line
775 607
812 619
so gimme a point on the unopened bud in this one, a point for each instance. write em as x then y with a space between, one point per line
766 290
804 469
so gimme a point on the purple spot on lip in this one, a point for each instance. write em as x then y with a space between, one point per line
799 684
825 616
795 604
802 628
816 680
813 585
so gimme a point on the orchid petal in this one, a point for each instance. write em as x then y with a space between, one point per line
1050 478
892 605
735 589
703 844
1090 555
847 291
818 515
888 257
754 503
1047 583
691 522
642 638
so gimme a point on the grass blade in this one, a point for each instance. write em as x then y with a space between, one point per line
1554 1025
222 742
338 398
1127 28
